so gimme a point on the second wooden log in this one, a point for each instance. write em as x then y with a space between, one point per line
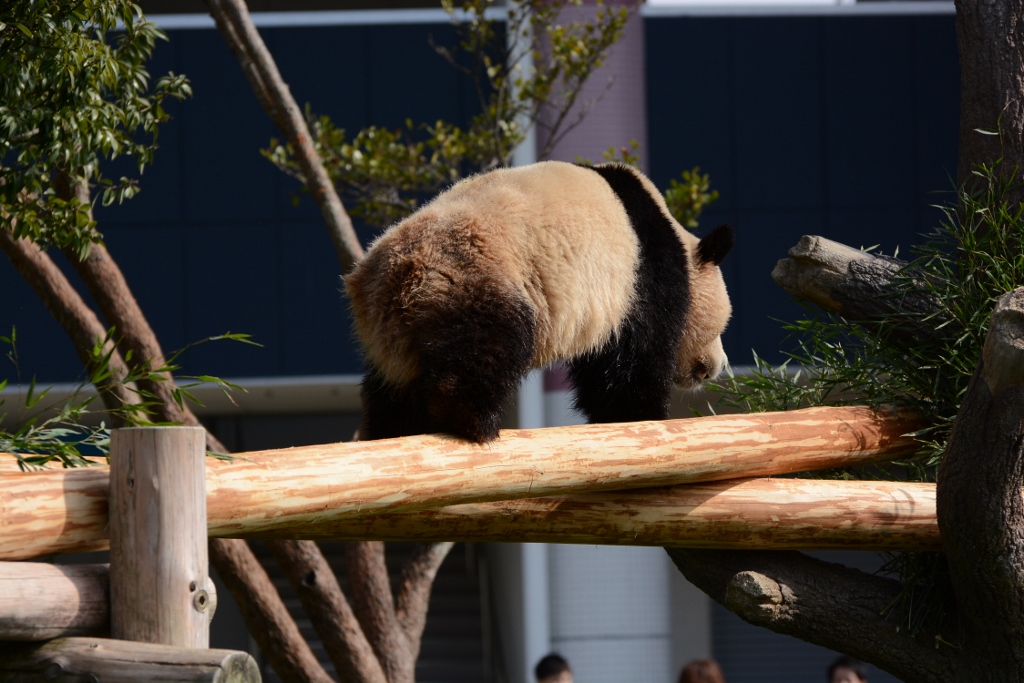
779 514
74 660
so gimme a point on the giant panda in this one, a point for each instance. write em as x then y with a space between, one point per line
521 267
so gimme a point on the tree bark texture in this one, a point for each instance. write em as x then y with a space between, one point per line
980 508
823 603
235 25
374 604
265 614
990 38
799 514
333 481
78 321
858 286
327 607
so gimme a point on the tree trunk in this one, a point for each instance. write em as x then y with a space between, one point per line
76 319
990 36
823 603
980 509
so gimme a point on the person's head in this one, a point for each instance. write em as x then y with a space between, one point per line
847 670
701 671
553 668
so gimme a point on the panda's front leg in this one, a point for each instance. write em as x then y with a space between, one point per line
390 410
626 381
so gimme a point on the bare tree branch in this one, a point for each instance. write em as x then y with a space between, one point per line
264 612
820 602
328 609
79 322
979 503
859 286
413 596
232 17
374 605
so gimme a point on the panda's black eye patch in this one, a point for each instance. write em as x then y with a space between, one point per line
714 247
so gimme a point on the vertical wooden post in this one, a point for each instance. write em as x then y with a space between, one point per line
160 589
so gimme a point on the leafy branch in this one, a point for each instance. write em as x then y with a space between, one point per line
530 74
74 91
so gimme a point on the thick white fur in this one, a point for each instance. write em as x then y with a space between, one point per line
553 233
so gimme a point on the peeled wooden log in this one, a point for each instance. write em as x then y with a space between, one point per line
41 601
71 660
804 514
64 511
276 493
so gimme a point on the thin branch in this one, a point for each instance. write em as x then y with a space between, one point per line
414 587
375 607
79 321
110 290
232 18
556 136
264 612
328 609
820 602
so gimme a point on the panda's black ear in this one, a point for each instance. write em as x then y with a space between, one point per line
715 245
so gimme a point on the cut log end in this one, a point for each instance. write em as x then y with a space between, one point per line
1003 354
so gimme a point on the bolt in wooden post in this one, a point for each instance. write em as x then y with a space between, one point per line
160 590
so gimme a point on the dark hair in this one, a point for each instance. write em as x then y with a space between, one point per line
854 665
701 671
550 665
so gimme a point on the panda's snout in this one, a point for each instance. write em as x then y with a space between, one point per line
700 372
708 369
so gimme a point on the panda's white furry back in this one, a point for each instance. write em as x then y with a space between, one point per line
518 268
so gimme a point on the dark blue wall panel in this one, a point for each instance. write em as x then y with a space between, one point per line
836 126
216 242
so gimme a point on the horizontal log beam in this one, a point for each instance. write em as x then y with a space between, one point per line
271 493
119 661
40 601
794 514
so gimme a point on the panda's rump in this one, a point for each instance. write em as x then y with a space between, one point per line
550 241
562 237
428 276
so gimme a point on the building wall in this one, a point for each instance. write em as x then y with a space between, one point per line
839 126
835 125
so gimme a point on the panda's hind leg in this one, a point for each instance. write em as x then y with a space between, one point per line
473 356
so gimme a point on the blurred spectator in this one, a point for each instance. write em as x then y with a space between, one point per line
847 670
553 668
701 671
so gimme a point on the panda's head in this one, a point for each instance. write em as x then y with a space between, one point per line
701 356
